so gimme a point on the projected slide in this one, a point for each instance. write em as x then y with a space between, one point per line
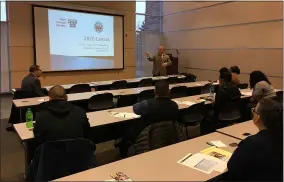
77 41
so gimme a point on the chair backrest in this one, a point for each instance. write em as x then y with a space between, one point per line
230 111
57 159
173 80
193 115
79 88
145 95
279 97
126 100
22 94
179 91
206 89
146 82
242 85
190 78
155 136
121 84
100 102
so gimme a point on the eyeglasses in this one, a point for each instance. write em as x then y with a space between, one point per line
253 110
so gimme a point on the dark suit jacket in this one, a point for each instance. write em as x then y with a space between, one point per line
32 84
158 60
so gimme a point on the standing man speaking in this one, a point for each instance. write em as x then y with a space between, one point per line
160 62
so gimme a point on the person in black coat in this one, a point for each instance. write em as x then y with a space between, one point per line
226 93
260 157
58 119
31 83
161 108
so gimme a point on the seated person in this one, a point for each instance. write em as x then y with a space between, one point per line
161 108
227 92
58 119
31 83
260 157
235 70
261 87
223 70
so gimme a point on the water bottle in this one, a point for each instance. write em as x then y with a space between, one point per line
29 118
211 94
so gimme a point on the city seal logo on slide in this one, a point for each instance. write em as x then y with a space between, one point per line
98 27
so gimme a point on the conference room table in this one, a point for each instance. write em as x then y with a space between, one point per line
160 164
105 117
240 131
109 82
28 102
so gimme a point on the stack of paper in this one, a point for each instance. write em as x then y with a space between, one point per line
185 102
203 163
208 160
126 115
247 93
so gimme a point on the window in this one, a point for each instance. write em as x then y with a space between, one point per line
3 11
148 33
148 16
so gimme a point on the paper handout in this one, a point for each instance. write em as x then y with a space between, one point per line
217 143
217 153
203 163
125 115
246 93
188 103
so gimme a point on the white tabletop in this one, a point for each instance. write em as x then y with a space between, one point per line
108 82
239 130
104 117
86 95
158 165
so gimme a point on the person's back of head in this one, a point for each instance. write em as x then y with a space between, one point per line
257 76
35 69
162 89
57 92
235 69
223 70
225 77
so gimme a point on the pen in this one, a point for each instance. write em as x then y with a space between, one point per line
186 158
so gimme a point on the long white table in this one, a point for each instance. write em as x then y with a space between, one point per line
109 82
158 165
104 117
240 131
86 95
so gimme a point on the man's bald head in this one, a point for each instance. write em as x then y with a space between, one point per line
57 92
161 50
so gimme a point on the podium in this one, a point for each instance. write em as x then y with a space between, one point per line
173 69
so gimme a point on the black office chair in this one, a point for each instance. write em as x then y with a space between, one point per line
126 100
100 102
173 80
189 78
206 89
56 159
191 119
156 136
229 114
146 82
279 97
79 88
179 91
242 85
15 112
145 95
121 84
